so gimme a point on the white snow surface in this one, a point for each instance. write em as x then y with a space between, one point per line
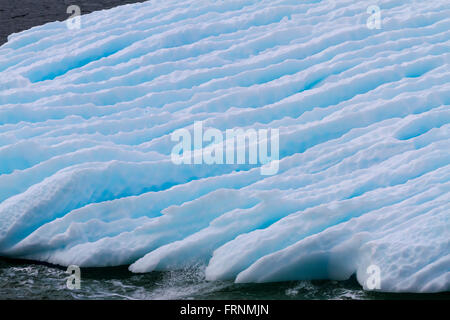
86 116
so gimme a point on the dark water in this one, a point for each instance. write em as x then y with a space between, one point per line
19 15
25 280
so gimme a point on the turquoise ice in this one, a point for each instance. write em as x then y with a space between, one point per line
86 116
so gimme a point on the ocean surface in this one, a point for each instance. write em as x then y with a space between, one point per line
19 15
26 280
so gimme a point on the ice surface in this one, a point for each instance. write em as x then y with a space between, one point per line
86 116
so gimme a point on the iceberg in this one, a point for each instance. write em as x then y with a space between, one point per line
362 110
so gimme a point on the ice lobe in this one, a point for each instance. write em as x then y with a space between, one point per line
86 118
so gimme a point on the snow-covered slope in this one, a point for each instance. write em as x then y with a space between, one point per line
86 118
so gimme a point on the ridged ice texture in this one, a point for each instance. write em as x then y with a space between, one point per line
364 119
